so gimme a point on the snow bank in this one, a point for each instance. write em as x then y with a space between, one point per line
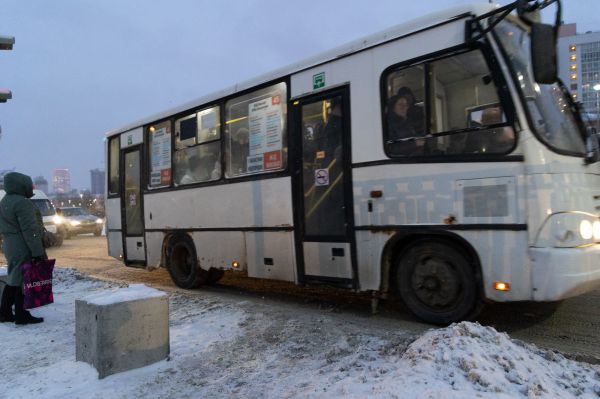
131 293
223 347
473 359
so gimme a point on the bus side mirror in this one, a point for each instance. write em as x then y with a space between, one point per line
543 53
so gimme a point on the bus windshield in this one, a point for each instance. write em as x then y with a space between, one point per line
549 109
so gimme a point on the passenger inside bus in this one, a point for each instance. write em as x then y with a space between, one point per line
194 172
240 149
404 124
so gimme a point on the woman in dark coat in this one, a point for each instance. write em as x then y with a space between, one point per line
22 243
402 131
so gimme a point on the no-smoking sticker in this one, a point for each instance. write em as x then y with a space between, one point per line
321 177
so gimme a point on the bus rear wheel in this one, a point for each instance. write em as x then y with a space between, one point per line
182 263
437 282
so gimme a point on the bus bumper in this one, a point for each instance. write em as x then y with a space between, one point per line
560 273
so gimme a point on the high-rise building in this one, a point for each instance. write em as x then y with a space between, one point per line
61 181
41 183
97 180
579 66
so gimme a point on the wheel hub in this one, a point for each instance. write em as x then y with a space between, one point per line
435 282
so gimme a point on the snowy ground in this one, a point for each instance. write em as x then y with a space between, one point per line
223 347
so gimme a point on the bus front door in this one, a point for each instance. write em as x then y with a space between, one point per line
323 195
132 207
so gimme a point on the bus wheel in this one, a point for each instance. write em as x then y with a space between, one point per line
437 283
182 263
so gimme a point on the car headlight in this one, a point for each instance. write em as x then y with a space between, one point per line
99 221
75 222
57 219
569 230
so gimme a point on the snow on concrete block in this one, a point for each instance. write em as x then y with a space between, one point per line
123 329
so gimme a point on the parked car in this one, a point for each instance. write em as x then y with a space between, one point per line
75 221
52 222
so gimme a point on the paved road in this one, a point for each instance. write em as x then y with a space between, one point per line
571 326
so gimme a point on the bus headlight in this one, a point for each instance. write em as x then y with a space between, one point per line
586 229
57 219
100 221
568 230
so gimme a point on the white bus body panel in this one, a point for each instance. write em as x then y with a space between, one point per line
271 255
244 205
319 261
219 248
135 248
132 137
421 194
115 244
113 227
260 203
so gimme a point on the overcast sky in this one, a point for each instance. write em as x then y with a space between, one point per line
83 67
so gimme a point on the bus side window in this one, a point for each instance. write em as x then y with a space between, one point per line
255 134
466 104
113 164
458 86
198 147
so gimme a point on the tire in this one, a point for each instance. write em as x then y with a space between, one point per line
437 283
182 263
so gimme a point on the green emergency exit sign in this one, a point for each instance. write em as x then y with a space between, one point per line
318 80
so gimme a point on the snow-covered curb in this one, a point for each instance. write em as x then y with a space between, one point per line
227 348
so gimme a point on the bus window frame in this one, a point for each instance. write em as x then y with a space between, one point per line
147 163
228 135
504 98
195 112
116 194
223 180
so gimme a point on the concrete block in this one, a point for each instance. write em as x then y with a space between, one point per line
123 329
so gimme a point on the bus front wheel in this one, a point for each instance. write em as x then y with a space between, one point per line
182 263
437 282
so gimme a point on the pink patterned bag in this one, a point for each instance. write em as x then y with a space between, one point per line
37 283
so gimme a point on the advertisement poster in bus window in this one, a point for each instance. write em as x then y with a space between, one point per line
265 123
160 173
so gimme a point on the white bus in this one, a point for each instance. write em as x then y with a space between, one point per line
435 160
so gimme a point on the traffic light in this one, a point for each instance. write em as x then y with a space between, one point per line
6 43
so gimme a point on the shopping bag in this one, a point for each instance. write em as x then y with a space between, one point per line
37 283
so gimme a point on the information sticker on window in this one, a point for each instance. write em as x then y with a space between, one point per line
321 177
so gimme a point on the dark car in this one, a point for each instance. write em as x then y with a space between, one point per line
77 221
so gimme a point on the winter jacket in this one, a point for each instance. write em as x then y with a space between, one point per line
19 226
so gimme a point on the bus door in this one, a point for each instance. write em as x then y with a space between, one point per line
132 206
323 189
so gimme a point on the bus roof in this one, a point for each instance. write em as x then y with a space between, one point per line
397 31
